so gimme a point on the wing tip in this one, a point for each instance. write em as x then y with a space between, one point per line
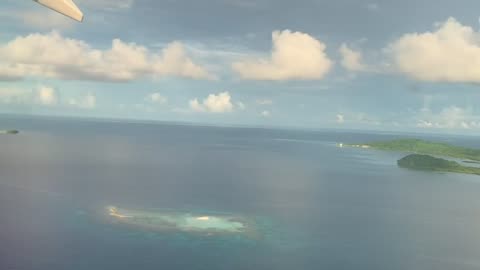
65 7
80 18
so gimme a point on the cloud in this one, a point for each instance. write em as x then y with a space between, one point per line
452 117
43 95
351 59
219 103
86 102
340 118
295 56
15 95
265 113
53 56
47 95
157 98
450 53
241 106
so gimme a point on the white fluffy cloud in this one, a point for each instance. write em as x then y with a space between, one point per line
219 103
265 113
450 53
351 59
340 118
241 106
42 95
452 117
295 56
47 95
54 56
157 98
14 95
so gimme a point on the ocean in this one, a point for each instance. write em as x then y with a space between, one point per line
315 205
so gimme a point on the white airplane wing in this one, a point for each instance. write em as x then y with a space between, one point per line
65 7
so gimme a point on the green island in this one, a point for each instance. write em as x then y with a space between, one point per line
427 155
177 221
428 148
429 163
12 131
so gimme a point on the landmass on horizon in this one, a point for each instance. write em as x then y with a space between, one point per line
429 163
427 155
11 131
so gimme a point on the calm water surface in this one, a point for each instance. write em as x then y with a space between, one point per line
317 206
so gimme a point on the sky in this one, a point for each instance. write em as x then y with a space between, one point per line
346 64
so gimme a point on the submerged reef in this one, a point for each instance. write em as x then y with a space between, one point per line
168 220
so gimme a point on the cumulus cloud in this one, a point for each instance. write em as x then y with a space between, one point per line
294 56
42 95
14 95
219 103
53 56
47 95
157 98
265 113
340 118
351 59
452 117
450 53
241 106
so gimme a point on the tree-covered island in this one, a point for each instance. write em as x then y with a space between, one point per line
429 163
427 155
12 131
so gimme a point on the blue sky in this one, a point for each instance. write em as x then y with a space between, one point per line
352 64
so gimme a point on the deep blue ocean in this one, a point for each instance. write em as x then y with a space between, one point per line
316 206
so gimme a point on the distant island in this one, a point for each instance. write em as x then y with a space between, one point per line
429 163
425 155
9 131
428 148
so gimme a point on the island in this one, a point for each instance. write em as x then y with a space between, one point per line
12 131
427 147
427 155
179 221
429 163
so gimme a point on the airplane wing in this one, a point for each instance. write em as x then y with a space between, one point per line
65 7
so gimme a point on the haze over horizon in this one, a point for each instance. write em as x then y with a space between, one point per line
376 65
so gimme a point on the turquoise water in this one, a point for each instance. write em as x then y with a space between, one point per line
161 220
313 205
